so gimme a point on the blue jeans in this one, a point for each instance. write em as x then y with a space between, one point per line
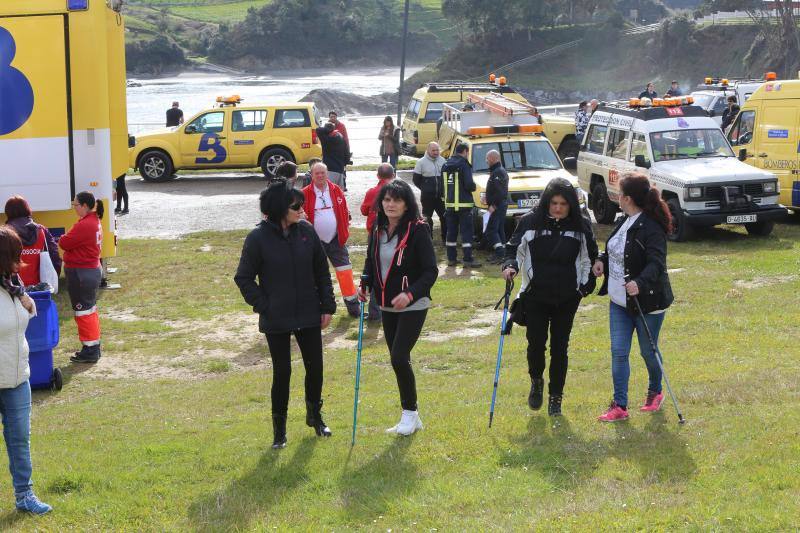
496 230
459 222
15 408
392 159
622 326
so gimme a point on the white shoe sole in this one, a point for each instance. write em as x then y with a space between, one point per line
417 427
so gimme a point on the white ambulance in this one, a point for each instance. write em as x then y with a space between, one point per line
685 155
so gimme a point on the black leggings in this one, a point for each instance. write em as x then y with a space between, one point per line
310 342
122 192
559 318
402 331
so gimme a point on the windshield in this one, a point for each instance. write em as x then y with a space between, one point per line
703 100
689 144
517 155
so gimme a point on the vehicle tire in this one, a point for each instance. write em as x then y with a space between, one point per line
604 209
57 381
272 159
569 148
155 166
681 229
760 229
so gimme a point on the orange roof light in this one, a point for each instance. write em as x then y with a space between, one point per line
480 130
709 81
770 76
492 77
658 102
724 81
634 102
690 100
531 128
502 80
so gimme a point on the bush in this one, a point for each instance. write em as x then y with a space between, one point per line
153 57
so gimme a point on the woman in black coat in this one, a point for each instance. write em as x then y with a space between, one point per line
293 294
637 250
554 247
401 267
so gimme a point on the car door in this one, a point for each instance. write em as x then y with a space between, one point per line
591 158
777 142
742 134
204 140
247 127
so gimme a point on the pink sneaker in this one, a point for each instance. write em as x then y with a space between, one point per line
653 401
614 413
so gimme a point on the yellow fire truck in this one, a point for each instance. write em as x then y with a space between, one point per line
63 124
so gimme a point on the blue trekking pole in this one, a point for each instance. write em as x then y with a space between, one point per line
509 288
358 366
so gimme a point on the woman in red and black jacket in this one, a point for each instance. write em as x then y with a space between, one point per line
35 240
401 267
81 245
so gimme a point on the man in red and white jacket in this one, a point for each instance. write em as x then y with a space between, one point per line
326 210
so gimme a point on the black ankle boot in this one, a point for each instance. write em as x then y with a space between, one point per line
279 431
314 419
554 405
536 396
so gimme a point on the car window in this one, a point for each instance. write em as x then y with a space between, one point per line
213 122
528 155
413 109
720 105
618 144
291 118
689 144
639 147
742 130
596 139
248 120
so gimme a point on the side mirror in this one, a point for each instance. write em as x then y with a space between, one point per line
640 161
571 163
743 154
712 113
191 129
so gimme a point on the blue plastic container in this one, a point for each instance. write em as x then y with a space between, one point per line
41 363
43 336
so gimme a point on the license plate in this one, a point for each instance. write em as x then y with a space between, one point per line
528 202
741 219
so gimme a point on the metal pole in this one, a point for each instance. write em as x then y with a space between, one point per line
402 65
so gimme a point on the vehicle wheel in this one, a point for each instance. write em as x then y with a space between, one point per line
760 229
604 209
681 229
272 159
57 381
156 166
569 148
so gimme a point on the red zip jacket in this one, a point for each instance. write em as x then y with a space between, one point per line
339 209
81 244
368 207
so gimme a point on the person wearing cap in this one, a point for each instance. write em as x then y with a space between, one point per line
174 115
674 89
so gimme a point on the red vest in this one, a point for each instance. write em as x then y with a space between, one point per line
339 209
29 270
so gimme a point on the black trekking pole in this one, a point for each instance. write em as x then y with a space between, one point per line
657 353
509 288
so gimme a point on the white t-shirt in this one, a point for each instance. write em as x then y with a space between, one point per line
324 217
616 263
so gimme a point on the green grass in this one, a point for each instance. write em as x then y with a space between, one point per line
171 431
230 12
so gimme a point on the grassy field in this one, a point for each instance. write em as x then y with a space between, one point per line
171 430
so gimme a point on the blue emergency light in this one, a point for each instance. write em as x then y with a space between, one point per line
75 5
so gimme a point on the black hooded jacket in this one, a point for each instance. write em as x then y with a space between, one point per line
294 284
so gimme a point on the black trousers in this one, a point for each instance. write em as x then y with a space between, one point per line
402 332
310 342
559 318
122 192
431 204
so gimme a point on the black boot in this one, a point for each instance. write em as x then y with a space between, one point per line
88 354
314 419
279 431
536 396
554 405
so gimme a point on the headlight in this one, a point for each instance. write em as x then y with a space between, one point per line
695 192
483 198
771 187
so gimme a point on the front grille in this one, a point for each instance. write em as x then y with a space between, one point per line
523 195
713 192
754 188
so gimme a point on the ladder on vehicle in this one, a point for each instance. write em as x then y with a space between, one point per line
501 105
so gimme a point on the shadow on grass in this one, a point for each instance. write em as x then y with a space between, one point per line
569 460
12 520
234 507
369 490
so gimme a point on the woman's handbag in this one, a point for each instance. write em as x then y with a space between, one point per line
47 272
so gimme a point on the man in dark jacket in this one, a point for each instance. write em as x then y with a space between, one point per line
458 187
334 153
674 89
497 200
730 112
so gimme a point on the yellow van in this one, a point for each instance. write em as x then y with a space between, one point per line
767 134
228 137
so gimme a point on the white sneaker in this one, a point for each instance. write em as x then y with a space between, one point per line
409 423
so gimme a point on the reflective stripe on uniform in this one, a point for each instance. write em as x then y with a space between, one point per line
86 312
451 179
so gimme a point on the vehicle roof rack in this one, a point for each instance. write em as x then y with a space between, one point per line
455 85
497 103
491 111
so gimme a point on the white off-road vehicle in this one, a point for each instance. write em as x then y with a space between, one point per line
712 95
686 156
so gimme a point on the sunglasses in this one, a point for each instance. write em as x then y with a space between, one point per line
296 207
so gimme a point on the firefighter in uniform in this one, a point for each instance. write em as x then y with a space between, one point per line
458 203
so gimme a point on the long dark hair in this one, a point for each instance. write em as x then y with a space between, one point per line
637 187
10 250
86 198
559 187
399 190
391 121
274 201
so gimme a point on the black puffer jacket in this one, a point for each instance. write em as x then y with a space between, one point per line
497 186
335 153
294 284
414 268
646 263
